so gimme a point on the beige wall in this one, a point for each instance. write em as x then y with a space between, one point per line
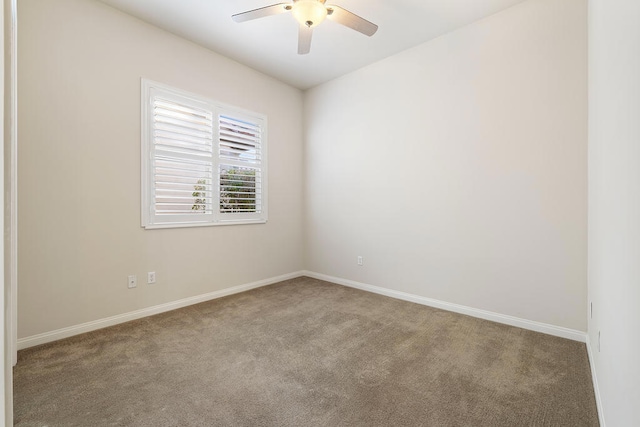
80 64
457 169
614 206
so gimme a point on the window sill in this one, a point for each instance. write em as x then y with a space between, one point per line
202 224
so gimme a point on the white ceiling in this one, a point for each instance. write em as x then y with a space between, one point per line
270 44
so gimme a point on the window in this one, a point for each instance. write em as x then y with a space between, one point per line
203 162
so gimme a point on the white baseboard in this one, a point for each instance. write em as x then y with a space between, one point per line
133 315
544 328
594 378
457 308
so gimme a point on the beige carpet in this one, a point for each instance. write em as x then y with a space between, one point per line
306 353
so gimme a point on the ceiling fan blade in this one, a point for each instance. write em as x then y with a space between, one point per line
304 39
351 20
274 9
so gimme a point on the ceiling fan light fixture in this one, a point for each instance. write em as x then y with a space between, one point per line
309 12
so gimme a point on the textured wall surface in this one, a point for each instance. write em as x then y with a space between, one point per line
614 206
457 169
79 169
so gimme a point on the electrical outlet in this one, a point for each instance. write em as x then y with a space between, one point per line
133 281
151 277
360 261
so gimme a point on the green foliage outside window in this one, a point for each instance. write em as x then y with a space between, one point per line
237 192
200 201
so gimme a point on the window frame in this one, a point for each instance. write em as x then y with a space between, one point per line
149 220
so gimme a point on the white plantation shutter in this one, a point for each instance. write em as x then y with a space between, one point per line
182 152
240 152
203 163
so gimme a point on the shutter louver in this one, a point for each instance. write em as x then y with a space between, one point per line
240 140
182 148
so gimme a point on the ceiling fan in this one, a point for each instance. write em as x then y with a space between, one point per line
310 13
